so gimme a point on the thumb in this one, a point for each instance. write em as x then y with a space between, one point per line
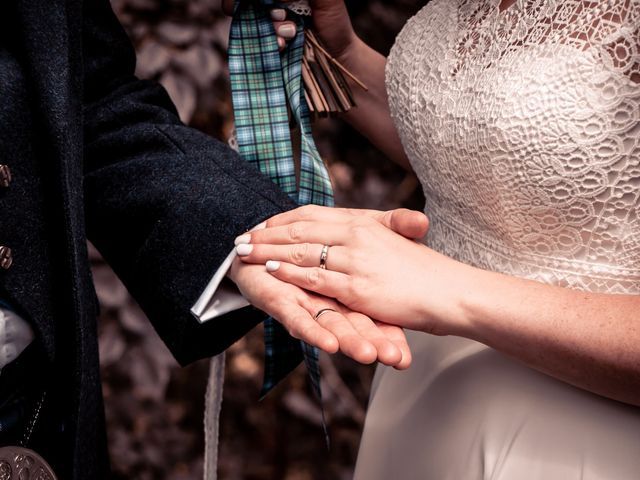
408 223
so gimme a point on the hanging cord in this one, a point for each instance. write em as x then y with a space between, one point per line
212 408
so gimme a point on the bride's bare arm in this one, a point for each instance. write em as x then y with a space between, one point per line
586 339
371 117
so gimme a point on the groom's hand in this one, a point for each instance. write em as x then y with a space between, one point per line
352 333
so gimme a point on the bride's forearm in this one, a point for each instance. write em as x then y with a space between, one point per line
589 340
586 339
371 116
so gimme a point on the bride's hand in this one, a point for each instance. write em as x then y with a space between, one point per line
330 20
369 268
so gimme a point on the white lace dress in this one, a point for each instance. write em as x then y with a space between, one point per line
524 128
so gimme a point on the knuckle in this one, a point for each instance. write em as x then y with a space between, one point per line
389 217
308 211
295 232
270 222
359 229
360 222
270 299
356 257
298 253
313 277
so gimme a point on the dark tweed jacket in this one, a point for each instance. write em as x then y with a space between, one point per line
97 153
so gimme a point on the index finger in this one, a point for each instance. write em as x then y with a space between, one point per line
302 232
318 213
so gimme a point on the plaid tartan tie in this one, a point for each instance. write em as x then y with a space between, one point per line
262 80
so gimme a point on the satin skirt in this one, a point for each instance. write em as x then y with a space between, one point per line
466 412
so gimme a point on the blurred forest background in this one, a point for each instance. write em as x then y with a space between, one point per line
154 408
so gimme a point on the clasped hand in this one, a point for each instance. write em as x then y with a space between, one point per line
293 242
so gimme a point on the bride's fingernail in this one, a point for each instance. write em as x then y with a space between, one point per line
287 31
278 14
273 266
244 249
260 226
242 239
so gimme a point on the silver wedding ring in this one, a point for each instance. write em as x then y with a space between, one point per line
322 312
323 257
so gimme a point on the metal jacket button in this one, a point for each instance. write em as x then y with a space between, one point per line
6 257
5 176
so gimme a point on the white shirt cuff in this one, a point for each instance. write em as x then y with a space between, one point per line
220 296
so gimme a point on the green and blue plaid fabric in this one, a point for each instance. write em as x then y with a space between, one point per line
263 80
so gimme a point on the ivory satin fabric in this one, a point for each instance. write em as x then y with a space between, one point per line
523 127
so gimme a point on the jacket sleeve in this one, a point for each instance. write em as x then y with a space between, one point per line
163 202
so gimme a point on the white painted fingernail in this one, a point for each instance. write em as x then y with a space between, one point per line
246 238
244 249
278 14
260 226
273 266
287 31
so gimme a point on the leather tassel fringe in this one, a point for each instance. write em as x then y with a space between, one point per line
325 86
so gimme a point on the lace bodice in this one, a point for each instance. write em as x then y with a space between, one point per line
523 126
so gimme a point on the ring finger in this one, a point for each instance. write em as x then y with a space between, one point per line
325 282
301 254
352 343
